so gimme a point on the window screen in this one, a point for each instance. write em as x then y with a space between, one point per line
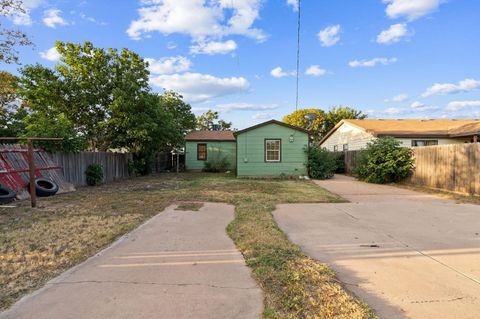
273 150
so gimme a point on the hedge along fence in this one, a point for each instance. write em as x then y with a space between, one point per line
115 165
454 167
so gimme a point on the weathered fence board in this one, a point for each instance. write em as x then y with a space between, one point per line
454 167
115 165
351 158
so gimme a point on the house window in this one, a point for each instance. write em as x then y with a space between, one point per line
345 147
416 143
335 148
201 152
273 149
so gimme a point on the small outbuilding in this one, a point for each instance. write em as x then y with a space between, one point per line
201 146
269 149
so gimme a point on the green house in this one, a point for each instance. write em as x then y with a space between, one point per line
272 149
201 146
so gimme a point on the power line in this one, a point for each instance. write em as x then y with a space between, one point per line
298 52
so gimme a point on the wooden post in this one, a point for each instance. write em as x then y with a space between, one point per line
178 162
475 139
31 166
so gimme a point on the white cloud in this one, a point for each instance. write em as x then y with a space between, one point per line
451 88
330 35
24 18
53 17
213 47
399 98
171 45
415 109
279 73
393 111
411 9
315 70
196 87
198 18
393 34
50 54
458 105
263 116
293 4
246 107
92 19
422 107
372 62
169 65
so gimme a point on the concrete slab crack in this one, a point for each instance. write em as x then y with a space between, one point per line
146 283
437 300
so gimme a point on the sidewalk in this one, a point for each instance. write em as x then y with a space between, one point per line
180 264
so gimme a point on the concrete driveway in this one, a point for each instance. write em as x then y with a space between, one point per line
407 254
180 264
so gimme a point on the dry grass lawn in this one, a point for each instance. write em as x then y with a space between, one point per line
36 245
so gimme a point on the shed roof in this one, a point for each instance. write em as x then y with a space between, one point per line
414 128
268 123
204 135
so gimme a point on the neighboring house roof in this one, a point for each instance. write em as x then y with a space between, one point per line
219 136
414 128
268 123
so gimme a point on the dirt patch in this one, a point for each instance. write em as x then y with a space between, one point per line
189 206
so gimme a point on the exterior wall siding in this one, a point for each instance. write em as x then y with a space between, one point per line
357 139
227 149
251 152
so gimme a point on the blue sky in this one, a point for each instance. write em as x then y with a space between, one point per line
389 58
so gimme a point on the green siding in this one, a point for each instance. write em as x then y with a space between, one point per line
227 149
251 152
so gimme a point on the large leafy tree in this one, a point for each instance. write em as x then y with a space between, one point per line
210 120
12 113
299 118
99 83
10 39
103 97
338 113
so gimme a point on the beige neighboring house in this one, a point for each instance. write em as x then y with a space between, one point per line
355 134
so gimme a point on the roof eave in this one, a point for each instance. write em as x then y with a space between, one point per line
267 123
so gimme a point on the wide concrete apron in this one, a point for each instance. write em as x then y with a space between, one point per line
180 264
407 254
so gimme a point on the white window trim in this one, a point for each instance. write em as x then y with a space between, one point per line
279 150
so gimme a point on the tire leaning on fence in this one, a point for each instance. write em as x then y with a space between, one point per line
6 195
45 187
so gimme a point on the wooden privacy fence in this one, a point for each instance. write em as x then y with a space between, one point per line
351 158
115 165
453 167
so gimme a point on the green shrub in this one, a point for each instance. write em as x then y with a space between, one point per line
141 164
321 163
216 162
384 161
94 174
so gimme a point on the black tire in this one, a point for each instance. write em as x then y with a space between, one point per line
6 195
45 187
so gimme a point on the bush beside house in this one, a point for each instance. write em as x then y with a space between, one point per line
384 161
321 163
